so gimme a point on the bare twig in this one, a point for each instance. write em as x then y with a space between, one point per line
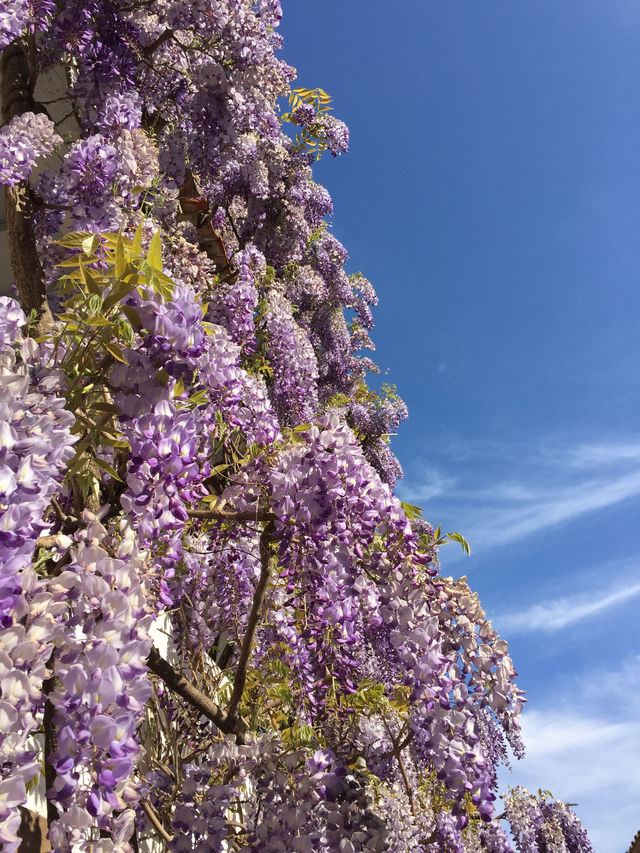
61 514
233 226
150 812
247 642
47 541
397 753
398 749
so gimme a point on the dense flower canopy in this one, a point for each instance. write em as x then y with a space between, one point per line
189 450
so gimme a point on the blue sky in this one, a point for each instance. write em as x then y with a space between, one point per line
492 195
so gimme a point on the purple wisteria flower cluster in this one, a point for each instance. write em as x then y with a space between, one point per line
36 446
23 141
220 630
541 823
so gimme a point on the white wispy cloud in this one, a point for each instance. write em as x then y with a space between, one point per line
505 494
433 483
586 455
557 613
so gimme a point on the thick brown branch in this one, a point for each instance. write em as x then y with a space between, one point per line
17 99
254 617
16 82
189 692
23 254
164 36
50 745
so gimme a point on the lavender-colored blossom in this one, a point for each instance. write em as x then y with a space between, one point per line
540 824
121 109
304 115
23 141
294 363
16 17
35 447
102 686
336 133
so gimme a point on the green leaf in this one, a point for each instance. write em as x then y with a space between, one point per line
198 399
106 467
154 255
80 461
132 316
103 406
94 304
459 538
118 292
121 263
116 352
136 246
411 510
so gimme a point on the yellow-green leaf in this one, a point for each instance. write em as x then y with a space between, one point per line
74 260
154 255
97 321
74 240
116 352
121 263
108 468
90 244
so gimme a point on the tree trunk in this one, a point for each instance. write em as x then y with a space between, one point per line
17 98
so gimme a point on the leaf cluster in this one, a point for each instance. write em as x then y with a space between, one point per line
310 139
97 329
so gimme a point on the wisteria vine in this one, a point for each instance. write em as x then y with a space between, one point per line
219 627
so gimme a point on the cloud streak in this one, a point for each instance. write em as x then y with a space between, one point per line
555 614
507 494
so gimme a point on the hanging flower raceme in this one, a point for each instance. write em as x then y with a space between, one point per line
35 446
23 141
101 687
540 823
